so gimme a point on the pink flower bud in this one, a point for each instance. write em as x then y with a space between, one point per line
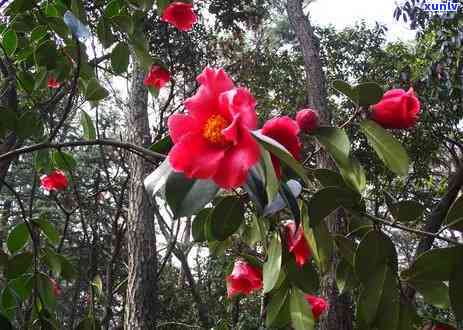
308 120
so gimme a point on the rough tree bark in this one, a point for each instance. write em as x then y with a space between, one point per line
340 314
142 289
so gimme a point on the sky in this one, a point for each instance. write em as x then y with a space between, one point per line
342 13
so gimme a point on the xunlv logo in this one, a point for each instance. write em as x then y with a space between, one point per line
439 6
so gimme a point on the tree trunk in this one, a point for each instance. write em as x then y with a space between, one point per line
142 289
340 314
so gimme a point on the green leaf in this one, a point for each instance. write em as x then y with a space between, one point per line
281 153
369 93
329 178
105 35
46 55
345 277
48 229
434 265
22 287
156 180
94 91
346 248
113 8
68 271
120 58
327 200
18 238
9 303
162 146
346 89
87 124
226 218
188 196
456 291
64 161
335 141
374 250
389 308
305 277
53 261
18 265
455 215
407 211
371 294
29 125
199 224
45 288
272 266
271 181
162 4
408 317
39 32
10 42
320 241
97 283
276 303
435 293
300 311
388 149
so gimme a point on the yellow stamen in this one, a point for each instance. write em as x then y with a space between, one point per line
213 129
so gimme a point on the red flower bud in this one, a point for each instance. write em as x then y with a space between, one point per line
308 120
285 131
56 287
56 180
180 15
53 83
244 279
157 77
319 305
297 244
397 109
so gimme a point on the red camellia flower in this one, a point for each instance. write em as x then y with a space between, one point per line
397 109
441 326
157 77
297 244
319 305
180 15
285 131
56 287
213 140
244 279
308 120
56 180
53 83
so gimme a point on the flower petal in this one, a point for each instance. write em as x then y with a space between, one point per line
180 125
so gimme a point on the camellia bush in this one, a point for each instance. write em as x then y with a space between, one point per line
246 185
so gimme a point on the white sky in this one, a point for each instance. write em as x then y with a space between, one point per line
342 13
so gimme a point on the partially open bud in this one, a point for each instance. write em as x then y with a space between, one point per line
308 120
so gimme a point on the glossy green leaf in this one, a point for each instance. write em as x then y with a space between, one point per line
53 261
162 146
456 291
346 89
329 178
434 265
300 311
18 238
271 180
94 91
272 266
282 154
64 160
8 303
188 196
407 211
46 55
87 125
374 250
120 58
18 265
327 200
48 229
45 288
335 141
305 277
371 294
320 241
434 292
10 42
162 4
369 93
388 149
113 8
389 308
226 218
22 287
276 303
199 224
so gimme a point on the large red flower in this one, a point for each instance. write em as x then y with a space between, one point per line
54 181
297 244
180 15
285 131
213 140
244 279
157 77
397 109
319 305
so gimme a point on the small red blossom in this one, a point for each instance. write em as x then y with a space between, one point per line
244 279
319 305
285 131
157 77
180 15
53 83
297 244
442 326
54 181
308 120
213 140
56 287
397 109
